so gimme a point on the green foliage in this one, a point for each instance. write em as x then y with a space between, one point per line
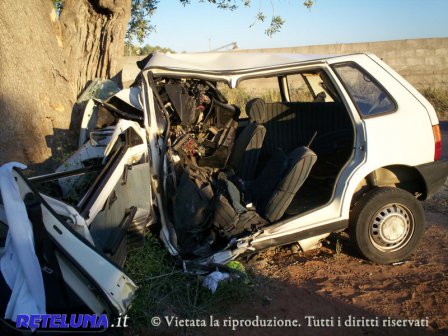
57 4
142 10
133 50
260 16
275 26
308 3
166 290
221 4
139 25
147 49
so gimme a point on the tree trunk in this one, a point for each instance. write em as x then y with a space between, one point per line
35 91
44 65
93 34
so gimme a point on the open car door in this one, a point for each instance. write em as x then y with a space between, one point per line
81 246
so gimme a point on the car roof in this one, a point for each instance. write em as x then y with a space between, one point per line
222 62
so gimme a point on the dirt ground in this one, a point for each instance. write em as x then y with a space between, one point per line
330 286
333 283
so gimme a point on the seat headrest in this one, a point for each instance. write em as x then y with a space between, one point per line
256 110
299 153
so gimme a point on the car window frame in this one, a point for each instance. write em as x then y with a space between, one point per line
281 75
305 81
364 72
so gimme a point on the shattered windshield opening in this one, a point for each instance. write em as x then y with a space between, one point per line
199 118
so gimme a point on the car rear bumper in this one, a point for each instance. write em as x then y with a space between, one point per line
434 175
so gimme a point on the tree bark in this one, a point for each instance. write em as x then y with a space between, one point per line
35 91
45 63
93 34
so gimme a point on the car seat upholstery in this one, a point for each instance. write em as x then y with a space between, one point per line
279 181
247 147
290 125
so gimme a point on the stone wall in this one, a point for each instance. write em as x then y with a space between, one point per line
423 62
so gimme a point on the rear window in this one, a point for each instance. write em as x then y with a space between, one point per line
369 97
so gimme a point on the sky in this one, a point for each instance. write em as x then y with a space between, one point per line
203 27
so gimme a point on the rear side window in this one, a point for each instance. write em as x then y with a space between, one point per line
310 87
369 97
266 88
298 90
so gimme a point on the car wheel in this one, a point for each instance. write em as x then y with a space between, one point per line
386 225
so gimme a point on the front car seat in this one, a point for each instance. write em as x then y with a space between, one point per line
276 186
247 147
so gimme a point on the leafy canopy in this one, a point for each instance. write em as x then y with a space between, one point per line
133 50
140 26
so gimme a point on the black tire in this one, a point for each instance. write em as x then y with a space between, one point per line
386 225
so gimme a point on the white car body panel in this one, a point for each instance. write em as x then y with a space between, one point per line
225 62
86 117
132 155
422 100
403 137
379 139
78 222
116 285
387 135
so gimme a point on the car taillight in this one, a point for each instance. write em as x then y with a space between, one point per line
437 142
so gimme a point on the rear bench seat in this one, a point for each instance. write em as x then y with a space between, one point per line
290 125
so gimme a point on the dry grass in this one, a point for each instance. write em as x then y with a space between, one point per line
438 202
240 96
439 99
165 290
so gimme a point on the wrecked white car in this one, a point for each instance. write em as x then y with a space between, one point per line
226 154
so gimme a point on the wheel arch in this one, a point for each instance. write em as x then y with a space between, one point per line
376 214
400 176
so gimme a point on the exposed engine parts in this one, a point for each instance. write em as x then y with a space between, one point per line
202 123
